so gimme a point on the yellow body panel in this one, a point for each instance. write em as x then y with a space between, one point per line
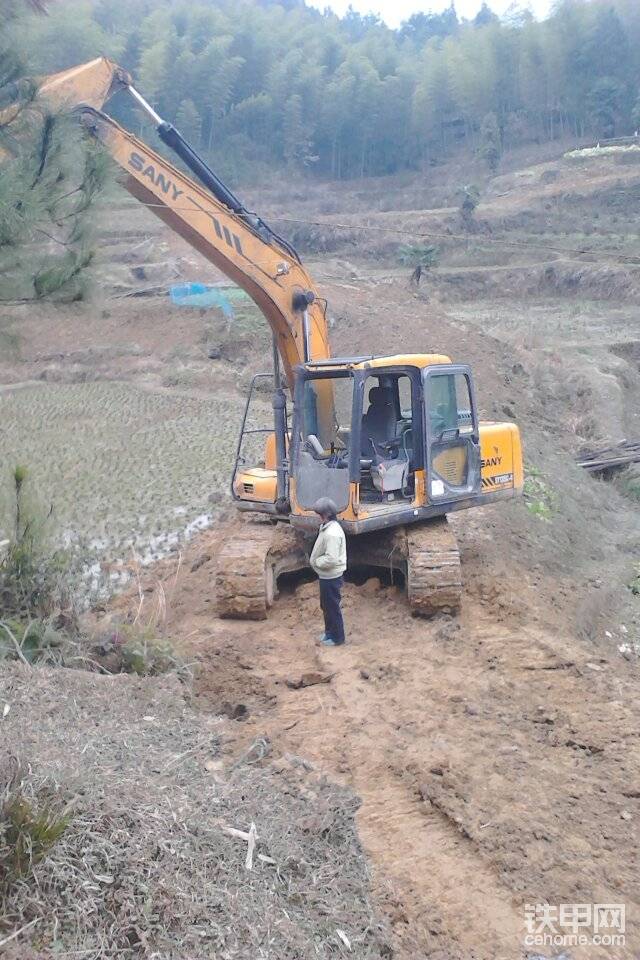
421 487
257 484
91 83
405 360
501 453
351 512
419 360
270 455
451 464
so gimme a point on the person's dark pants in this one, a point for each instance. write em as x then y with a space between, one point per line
330 598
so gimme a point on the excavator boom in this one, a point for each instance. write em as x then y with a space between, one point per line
222 230
91 83
268 272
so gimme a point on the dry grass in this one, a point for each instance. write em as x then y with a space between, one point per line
145 867
141 644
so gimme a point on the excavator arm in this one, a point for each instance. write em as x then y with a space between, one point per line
270 273
206 214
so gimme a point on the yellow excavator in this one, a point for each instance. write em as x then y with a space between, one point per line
395 441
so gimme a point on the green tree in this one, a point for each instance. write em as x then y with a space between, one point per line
434 101
270 88
606 59
49 177
68 35
188 122
296 140
469 200
215 73
605 104
420 256
421 27
30 569
484 16
490 146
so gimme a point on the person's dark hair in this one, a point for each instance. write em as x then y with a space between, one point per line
326 508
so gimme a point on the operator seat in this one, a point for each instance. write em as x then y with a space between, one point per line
379 422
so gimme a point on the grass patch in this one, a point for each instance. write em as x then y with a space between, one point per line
181 377
145 865
31 823
139 649
539 496
634 583
9 340
249 322
33 575
628 483
37 640
141 644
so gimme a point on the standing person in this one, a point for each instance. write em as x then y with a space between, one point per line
329 561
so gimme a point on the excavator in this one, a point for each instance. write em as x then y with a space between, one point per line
395 440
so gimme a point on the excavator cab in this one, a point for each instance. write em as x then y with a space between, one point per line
403 438
391 440
397 443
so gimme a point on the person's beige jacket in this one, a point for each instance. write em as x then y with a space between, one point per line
329 554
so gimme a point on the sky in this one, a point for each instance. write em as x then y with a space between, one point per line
393 12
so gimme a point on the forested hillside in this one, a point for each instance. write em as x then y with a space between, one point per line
260 83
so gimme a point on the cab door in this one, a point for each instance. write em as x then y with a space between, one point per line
452 447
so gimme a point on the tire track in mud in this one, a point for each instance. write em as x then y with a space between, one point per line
447 891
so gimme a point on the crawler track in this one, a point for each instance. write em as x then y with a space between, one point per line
248 567
427 556
250 562
434 581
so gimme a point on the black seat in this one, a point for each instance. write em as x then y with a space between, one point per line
379 422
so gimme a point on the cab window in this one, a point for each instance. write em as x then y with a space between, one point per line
326 411
449 404
404 397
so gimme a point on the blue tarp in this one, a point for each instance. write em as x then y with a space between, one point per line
201 295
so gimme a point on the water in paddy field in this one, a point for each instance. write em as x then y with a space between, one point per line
130 473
